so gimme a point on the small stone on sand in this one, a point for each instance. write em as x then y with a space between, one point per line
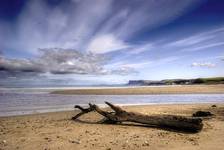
75 141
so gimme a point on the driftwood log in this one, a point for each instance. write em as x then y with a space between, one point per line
119 115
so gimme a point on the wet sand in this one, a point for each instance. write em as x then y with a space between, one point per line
57 131
177 89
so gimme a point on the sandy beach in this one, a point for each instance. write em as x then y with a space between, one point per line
176 89
57 131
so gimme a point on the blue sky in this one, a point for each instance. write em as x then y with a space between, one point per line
86 42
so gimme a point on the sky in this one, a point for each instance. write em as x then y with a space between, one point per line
105 42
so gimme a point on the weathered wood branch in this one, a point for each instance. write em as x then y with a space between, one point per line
119 115
83 111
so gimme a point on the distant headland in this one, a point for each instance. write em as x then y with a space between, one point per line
215 80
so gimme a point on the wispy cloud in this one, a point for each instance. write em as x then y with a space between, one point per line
142 64
68 26
203 64
198 38
211 58
148 15
99 26
124 70
142 48
200 41
201 47
195 39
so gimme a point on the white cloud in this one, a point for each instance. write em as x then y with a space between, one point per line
60 61
138 65
55 61
106 43
203 64
124 70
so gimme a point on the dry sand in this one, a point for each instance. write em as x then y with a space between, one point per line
58 131
177 89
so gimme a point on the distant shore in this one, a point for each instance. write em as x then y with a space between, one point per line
57 131
178 89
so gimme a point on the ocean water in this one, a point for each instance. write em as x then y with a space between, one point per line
18 101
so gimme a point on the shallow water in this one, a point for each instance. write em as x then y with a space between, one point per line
29 101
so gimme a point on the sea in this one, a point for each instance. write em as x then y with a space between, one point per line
21 101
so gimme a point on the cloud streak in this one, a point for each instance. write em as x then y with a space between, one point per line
201 41
199 38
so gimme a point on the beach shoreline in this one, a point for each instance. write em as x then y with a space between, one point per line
104 106
140 90
56 130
